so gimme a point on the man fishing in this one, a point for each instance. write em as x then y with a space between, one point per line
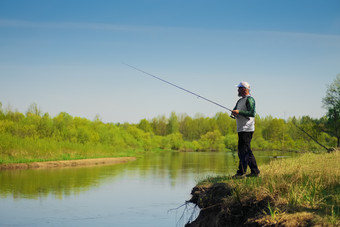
244 112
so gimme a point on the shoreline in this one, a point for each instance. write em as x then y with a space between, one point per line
67 163
303 191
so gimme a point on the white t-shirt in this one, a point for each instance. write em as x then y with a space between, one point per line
244 124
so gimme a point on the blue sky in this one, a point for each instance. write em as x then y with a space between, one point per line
67 56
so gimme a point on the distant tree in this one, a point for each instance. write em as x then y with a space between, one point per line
45 126
173 125
2 113
186 127
212 141
97 119
331 102
145 125
34 109
225 123
159 125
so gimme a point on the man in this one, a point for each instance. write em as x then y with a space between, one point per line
244 112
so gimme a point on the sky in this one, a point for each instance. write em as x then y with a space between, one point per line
68 55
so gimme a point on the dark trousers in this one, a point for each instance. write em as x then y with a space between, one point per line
245 154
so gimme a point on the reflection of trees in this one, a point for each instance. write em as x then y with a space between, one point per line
34 183
173 165
170 166
177 166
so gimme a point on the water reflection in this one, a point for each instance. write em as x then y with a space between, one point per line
138 193
173 167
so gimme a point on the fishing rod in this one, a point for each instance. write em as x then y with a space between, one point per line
174 85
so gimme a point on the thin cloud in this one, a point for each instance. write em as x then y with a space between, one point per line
129 28
289 34
70 25
305 35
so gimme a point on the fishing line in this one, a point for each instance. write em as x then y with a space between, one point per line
174 85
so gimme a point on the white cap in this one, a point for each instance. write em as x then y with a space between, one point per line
243 84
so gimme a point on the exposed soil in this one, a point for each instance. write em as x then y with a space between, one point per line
221 206
68 163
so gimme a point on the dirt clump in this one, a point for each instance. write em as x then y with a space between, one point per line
206 196
221 205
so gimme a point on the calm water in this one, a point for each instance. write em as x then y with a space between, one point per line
145 192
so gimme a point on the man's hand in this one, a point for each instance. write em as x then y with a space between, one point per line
235 113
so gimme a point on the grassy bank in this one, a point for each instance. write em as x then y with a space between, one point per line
25 150
307 187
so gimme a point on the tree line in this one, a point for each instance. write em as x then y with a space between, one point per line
177 132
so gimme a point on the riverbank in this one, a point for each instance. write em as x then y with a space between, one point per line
302 191
67 163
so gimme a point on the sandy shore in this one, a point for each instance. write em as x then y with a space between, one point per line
68 163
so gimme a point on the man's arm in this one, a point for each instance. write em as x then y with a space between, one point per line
251 110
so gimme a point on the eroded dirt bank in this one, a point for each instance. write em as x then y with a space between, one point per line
68 163
221 205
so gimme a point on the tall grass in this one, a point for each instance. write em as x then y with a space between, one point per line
309 183
14 149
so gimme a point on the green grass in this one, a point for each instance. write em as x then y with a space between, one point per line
309 183
24 150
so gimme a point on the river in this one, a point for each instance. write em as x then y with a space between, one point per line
147 192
